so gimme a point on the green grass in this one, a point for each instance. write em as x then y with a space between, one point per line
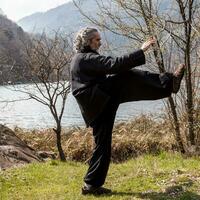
162 177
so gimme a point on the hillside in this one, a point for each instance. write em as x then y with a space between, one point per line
12 37
13 55
63 17
68 18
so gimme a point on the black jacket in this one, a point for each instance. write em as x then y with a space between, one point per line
88 68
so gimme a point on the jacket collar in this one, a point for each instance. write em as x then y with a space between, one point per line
87 49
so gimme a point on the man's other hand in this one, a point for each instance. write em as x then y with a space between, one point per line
146 45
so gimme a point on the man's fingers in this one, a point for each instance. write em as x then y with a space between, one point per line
146 45
150 42
152 39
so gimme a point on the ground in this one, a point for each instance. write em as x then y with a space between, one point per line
156 177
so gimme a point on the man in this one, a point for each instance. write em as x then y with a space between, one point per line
100 83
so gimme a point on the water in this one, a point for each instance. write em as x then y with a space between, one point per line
31 114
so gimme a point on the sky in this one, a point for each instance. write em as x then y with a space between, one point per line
17 9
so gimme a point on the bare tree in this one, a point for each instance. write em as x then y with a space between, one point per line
183 27
47 68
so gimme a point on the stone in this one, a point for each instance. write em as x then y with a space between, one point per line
14 151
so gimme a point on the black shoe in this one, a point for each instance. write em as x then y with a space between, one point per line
177 78
95 190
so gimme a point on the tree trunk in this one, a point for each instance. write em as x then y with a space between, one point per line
176 125
190 107
58 141
190 103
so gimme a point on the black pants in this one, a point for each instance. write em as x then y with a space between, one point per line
133 85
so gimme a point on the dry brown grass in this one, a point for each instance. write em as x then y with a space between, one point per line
142 135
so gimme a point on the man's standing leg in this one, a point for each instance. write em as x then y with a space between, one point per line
99 163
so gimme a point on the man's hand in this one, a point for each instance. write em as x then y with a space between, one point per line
146 45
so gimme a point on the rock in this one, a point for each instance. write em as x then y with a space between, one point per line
13 151
46 154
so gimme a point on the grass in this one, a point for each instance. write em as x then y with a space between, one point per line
162 177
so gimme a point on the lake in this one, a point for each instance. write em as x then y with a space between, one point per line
31 114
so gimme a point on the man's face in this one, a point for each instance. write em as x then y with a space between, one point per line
96 41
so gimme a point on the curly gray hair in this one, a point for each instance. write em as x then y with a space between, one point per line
83 38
